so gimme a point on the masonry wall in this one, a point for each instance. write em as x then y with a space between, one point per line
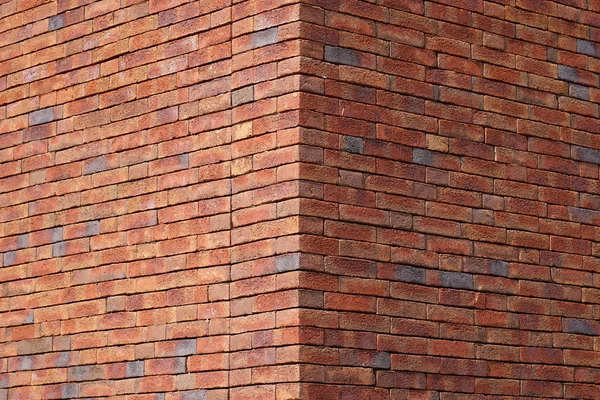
299 199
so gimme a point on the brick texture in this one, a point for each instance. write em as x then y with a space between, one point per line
299 199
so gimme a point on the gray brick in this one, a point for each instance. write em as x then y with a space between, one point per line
59 249
42 116
242 96
26 363
423 157
587 47
63 359
57 234
184 160
405 273
583 215
499 268
23 241
582 327
199 394
93 228
567 73
134 369
353 144
56 22
70 391
29 318
340 55
456 280
95 165
86 373
288 262
264 38
585 154
9 258
3 381
579 92
186 347
382 360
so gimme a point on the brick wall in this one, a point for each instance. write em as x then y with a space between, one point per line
299 199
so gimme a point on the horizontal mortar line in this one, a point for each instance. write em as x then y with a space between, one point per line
308 288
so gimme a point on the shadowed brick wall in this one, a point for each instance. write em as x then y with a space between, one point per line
299 199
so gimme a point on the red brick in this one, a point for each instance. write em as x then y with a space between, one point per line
389 200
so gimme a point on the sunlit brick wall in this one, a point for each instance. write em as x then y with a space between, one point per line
299 199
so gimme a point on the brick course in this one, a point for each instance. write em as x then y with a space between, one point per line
299 199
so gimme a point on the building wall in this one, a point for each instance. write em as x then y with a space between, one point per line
299 199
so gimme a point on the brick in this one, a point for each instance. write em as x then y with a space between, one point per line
242 96
406 380
580 326
406 273
327 200
43 116
456 280
571 74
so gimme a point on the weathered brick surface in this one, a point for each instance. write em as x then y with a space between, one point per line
299 199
